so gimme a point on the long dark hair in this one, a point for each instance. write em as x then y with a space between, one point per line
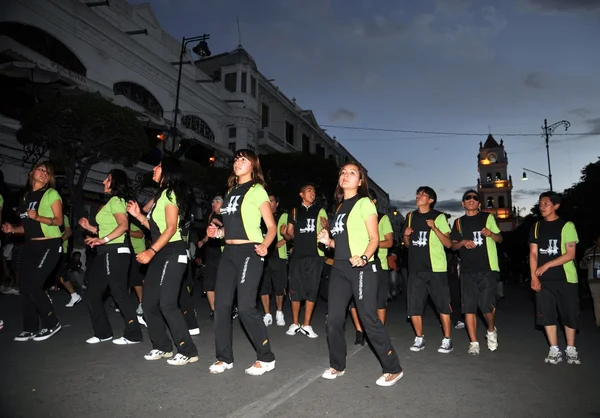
257 174
172 179
119 184
363 189
50 171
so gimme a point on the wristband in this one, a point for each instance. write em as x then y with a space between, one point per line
151 248
364 258
106 239
51 221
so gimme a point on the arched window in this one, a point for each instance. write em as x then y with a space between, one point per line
139 95
498 176
199 126
44 44
490 202
488 177
501 203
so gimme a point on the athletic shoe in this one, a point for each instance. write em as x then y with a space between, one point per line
11 291
1 325
280 319
181 360
572 356
219 367
492 340
360 338
446 346
155 354
139 311
46 333
308 331
96 340
234 313
25 336
459 325
419 344
331 374
554 356
194 331
268 319
124 341
75 299
260 367
389 379
293 329
473 349
141 321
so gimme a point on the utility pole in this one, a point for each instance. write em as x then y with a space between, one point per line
546 134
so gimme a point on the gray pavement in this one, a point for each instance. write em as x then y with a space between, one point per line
65 377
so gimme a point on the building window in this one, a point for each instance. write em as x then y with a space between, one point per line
232 132
289 133
501 202
231 82
498 177
197 125
490 202
139 95
305 144
488 177
265 116
253 86
232 146
244 82
320 151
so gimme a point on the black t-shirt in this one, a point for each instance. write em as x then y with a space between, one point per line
273 250
214 244
231 213
339 229
31 201
478 258
305 221
425 250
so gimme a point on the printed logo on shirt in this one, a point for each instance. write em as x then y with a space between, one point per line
338 225
32 206
552 248
477 238
310 227
422 241
232 205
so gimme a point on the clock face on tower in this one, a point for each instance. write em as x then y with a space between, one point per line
492 157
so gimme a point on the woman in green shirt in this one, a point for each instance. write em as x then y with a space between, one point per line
167 259
41 215
111 267
355 238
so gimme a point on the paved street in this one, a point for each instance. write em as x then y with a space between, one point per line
64 377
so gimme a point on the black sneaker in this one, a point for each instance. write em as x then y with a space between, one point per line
47 333
25 336
360 338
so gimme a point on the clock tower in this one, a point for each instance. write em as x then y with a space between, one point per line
494 184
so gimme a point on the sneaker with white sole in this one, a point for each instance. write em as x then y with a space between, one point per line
219 367
260 367
194 331
268 319
141 321
293 329
308 331
473 348
332 373
139 311
446 346
124 341
492 340
459 325
279 318
554 356
25 336
389 379
572 356
419 344
155 354
181 360
75 299
96 340
46 333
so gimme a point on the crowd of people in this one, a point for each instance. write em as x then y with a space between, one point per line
253 250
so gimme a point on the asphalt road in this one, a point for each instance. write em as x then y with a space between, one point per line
65 377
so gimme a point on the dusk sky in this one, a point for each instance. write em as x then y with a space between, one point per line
454 66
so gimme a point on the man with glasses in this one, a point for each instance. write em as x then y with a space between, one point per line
475 235
427 234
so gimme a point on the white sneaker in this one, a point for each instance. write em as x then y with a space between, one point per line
389 379
96 340
446 346
158 354
181 360
219 367
332 373
473 348
268 319
293 329
194 331
419 344
280 319
75 299
572 356
124 341
141 321
459 325
139 311
554 356
492 340
1 325
260 367
308 331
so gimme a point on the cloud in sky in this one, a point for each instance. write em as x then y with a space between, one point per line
566 5
534 80
342 115
402 164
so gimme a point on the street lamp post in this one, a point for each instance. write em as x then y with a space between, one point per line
547 133
202 51
525 170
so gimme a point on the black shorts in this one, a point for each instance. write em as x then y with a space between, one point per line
561 298
383 276
478 290
274 277
305 275
212 257
423 284
137 273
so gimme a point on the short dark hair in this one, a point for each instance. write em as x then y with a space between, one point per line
430 192
554 197
470 191
274 197
373 194
305 185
